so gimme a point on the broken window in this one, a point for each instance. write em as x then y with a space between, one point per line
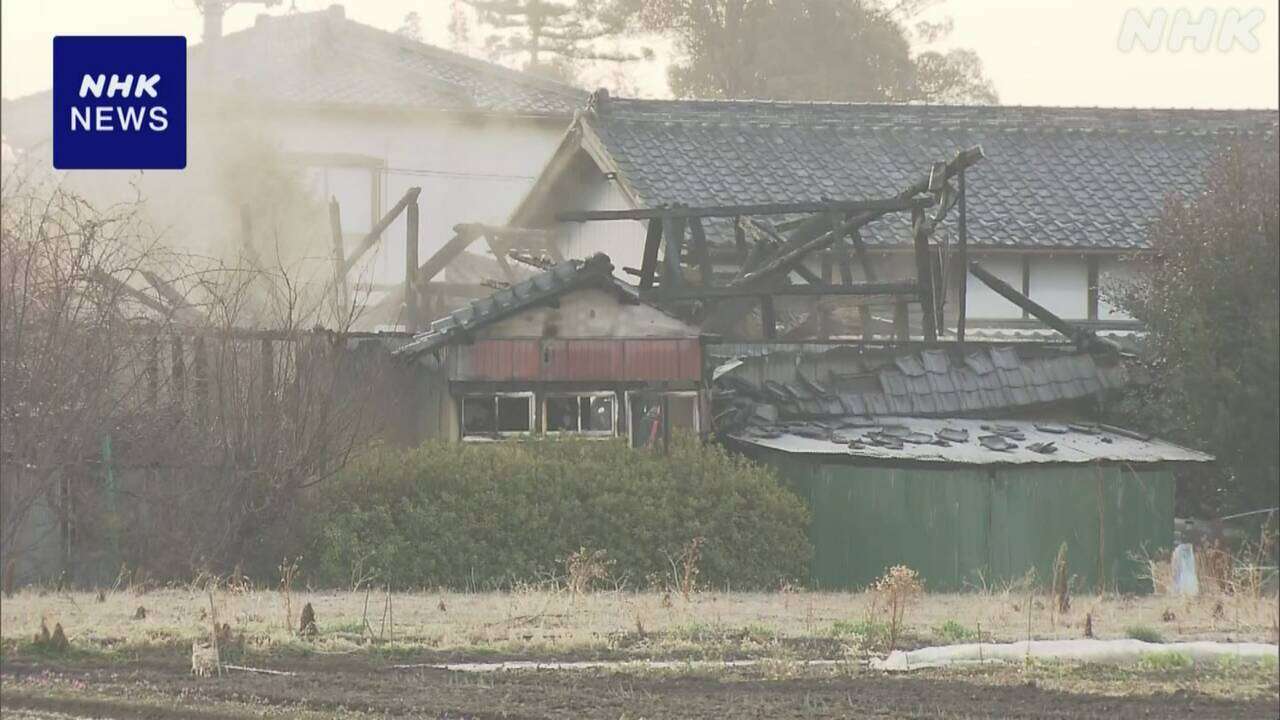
497 414
646 415
590 413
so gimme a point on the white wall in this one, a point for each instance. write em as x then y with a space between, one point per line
621 240
469 171
981 302
1061 284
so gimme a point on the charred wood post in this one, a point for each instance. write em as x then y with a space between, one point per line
901 321
673 231
740 240
411 266
869 274
768 317
963 252
924 276
341 293
649 264
701 257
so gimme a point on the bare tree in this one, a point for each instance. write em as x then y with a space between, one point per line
196 397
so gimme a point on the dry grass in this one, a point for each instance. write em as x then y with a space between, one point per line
542 623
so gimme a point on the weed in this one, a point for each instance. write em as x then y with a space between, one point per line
952 632
872 633
288 573
1163 661
685 567
1145 633
584 567
1061 581
895 591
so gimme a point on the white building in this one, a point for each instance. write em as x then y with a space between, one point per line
365 113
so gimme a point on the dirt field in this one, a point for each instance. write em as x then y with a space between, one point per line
119 665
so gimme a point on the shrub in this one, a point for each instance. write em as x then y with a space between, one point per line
1144 633
476 516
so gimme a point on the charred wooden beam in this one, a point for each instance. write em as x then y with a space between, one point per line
1082 337
895 204
784 262
445 255
124 288
375 234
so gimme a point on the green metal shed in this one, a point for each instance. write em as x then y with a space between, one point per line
943 497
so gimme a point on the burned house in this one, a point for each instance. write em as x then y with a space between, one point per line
1059 211
569 351
970 464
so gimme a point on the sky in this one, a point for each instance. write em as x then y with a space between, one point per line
1036 52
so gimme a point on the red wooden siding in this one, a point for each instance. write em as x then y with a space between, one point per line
577 360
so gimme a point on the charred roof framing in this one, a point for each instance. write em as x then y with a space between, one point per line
767 254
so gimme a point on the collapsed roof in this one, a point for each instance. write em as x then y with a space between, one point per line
803 382
942 404
969 441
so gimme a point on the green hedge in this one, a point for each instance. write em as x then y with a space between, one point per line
480 516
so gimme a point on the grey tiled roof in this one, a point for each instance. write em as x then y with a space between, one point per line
595 271
1054 177
322 58
980 380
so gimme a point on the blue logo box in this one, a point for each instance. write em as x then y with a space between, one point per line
119 102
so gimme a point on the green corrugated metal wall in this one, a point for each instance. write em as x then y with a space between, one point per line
960 525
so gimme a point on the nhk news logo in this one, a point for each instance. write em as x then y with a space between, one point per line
119 102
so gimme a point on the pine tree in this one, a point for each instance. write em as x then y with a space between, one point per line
551 36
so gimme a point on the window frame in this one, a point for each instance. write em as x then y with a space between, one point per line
612 395
697 409
495 433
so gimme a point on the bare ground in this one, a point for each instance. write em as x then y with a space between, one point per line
122 667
